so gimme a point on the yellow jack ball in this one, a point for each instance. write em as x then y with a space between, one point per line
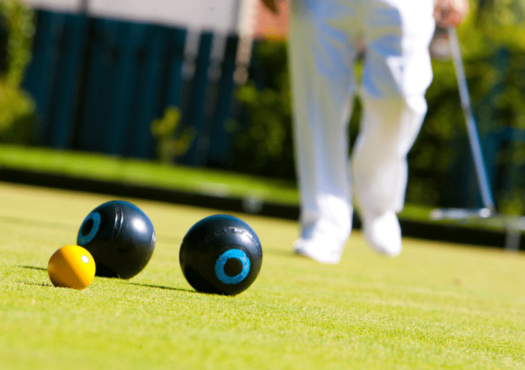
71 267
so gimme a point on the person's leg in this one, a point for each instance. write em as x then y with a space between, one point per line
321 60
396 75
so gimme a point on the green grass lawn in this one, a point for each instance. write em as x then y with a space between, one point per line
148 173
437 306
176 177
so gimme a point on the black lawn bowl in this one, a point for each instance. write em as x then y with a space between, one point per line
221 255
120 237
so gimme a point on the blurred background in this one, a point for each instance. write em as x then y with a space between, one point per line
204 83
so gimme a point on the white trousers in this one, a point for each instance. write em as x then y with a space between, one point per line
396 74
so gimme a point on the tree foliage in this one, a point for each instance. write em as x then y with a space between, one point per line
17 109
172 141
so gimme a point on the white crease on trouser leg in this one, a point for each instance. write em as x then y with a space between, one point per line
396 75
322 56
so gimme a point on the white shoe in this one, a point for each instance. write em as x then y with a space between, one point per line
318 250
383 233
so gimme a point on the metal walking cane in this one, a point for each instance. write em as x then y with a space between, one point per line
513 224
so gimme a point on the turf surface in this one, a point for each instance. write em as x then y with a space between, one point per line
175 177
148 173
436 306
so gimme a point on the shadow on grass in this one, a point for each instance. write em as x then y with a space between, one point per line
33 268
37 284
163 287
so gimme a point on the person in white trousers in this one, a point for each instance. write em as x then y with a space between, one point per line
324 36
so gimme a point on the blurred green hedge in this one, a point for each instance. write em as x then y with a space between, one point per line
440 156
17 109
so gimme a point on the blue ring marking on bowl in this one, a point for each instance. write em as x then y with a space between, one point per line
84 239
221 261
